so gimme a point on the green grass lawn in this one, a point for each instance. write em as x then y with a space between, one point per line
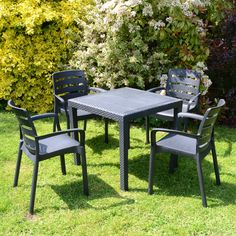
175 208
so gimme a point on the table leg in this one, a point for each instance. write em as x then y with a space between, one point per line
174 158
176 111
124 144
74 124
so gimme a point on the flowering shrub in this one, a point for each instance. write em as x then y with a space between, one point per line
205 80
133 42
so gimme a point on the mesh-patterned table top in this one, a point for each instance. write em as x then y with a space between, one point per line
122 102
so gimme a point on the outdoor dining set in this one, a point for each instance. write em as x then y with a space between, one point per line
73 98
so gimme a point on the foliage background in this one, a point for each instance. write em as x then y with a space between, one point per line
116 42
34 43
222 63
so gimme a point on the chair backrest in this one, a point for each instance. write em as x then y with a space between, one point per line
70 84
27 128
207 125
183 84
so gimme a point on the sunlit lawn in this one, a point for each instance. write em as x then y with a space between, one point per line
62 209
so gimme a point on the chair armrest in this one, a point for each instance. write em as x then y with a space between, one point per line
56 123
59 133
45 115
153 90
60 99
97 90
171 131
82 134
190 116
192 100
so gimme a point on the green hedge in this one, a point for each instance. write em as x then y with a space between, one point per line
35 41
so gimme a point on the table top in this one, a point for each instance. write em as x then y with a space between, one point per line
124 102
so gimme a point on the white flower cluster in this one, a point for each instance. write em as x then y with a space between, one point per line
133 3
169 19
108 5
147 10
163 80
186 9
198 3
157 24
115 27
133 13
133 28
205 81
201 66
117 11
200 27
187 6
119 7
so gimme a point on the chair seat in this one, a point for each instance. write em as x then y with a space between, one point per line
169 114
53 146
175 143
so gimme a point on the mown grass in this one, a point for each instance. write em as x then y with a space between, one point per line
62 209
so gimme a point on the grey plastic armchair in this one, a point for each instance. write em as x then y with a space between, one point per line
196 146
71 84
183 84
40 148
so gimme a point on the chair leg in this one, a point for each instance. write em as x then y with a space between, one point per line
201 182
147 129
18 162
151 170
173 163
85 124
84 172
77 160
215 163
54 125
63 165
67 120
129 136
186 121
55 121
106 130
33 188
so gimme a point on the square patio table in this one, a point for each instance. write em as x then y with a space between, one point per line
123 105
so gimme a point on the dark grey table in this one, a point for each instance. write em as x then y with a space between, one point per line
123 105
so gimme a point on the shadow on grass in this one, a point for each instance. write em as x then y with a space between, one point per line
73 196
97 143
184 182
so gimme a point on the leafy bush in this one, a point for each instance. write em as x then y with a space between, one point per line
35 42
222 59
222 65
133 42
